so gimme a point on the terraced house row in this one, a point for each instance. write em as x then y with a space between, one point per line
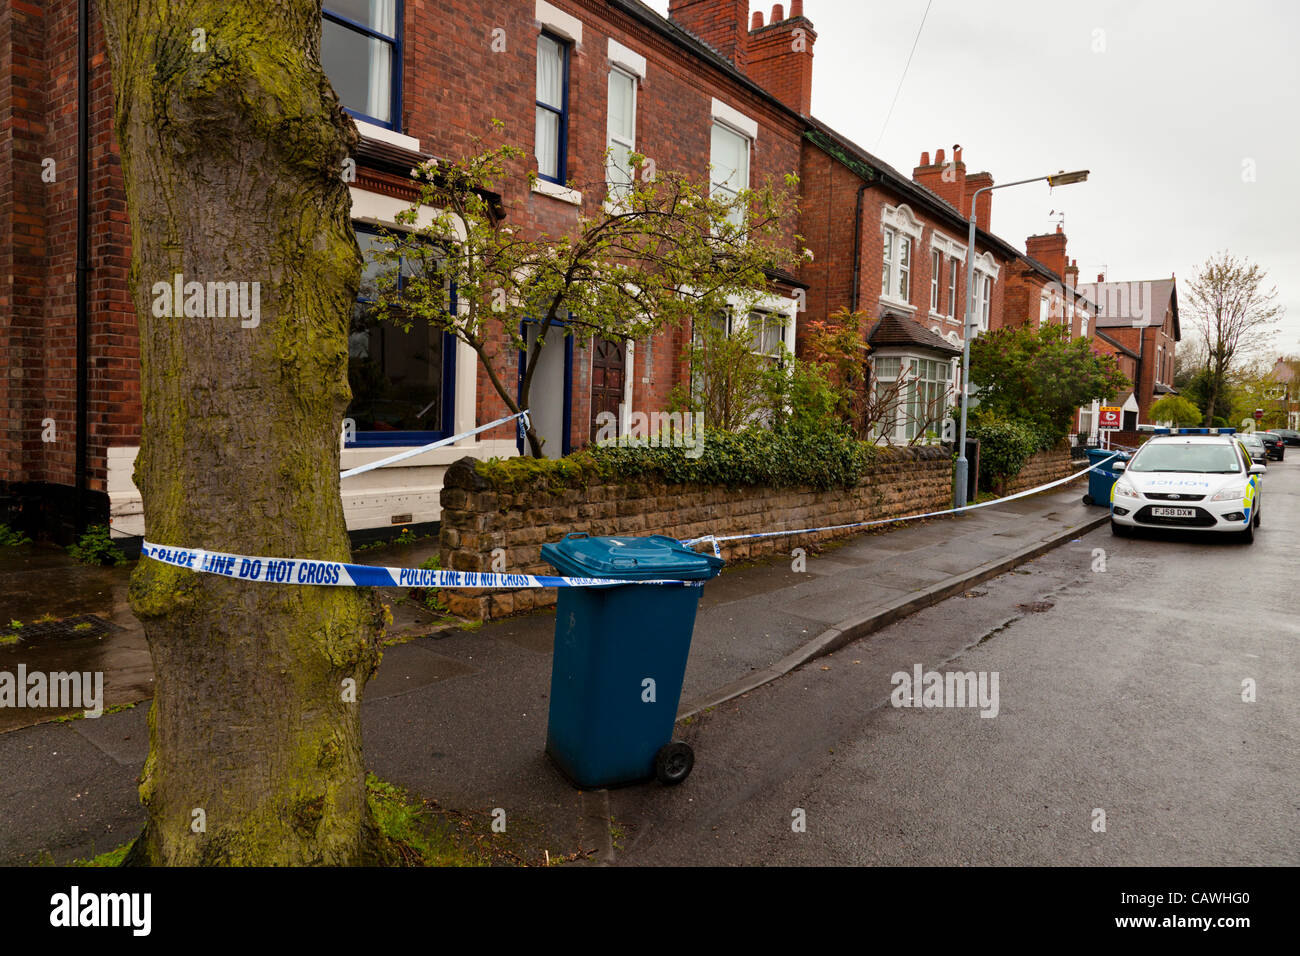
712 90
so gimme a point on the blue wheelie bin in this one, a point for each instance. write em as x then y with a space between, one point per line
620 658
1101 480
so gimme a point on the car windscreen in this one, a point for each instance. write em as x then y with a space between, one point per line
1191 457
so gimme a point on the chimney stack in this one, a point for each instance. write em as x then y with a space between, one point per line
719 23
1072 274
1049 250
779 56
945 179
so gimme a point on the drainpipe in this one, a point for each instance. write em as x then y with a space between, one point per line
83 247
857 241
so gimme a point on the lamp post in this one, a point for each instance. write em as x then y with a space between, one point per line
969 327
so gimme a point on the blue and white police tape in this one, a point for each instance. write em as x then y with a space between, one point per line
244 567
716 539
412 452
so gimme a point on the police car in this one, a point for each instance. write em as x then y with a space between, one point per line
1199 479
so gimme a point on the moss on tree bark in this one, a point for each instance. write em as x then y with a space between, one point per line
232 142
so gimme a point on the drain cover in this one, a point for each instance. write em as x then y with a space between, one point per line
82 625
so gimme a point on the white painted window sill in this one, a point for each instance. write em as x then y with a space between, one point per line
556 191
899 303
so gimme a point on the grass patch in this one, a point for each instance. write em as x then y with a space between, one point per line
411 835
112 857
7 639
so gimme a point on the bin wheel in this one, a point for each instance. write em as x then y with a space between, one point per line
673 763
1087 500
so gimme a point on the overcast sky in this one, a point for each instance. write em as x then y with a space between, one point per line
1186 111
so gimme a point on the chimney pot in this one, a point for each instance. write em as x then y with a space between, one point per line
956 154
796 8
1059 230
925 158
1101 277
778 13
938 157
756 22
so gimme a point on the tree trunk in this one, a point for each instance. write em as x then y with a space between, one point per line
232 143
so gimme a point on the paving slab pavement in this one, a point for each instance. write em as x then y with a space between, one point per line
460 717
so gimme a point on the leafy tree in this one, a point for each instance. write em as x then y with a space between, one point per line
231 145
1233 312
1176 409
731 384
1040 375
661 251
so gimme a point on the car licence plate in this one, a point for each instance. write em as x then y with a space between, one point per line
1173 512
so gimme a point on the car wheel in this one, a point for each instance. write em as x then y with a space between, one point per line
1257 518
1248 536
1120 530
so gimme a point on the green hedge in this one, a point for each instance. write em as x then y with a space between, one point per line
1006 445
820 458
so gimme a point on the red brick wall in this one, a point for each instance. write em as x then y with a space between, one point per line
781 61
449 54
453 85
38 114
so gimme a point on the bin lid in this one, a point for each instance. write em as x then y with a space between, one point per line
634 559
1101 454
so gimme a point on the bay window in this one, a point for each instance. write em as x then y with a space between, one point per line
402 381
916 405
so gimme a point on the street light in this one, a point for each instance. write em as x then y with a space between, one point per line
969 329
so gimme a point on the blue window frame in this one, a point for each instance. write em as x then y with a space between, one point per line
403 383
551 146
361 52
566 445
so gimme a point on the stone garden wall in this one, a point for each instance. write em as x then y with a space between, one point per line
479 516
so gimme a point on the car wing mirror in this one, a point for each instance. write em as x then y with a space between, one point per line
1258 469
1120 465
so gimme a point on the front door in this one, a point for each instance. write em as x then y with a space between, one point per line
608 368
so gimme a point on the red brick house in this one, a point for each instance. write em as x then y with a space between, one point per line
708 89
1141 320
1042 287
894 247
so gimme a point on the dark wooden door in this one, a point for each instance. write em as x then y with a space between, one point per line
608 366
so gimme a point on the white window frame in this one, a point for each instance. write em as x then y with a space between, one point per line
986 267
954 274
738 214
936 274
616 192
900 223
